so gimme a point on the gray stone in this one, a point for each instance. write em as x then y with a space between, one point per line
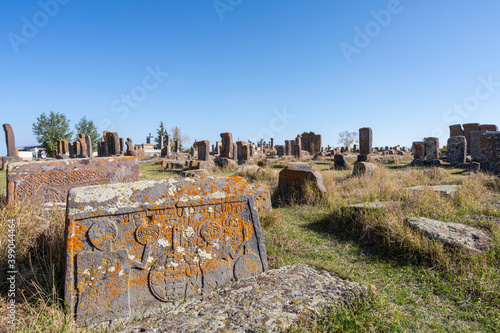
365 141
340 162
136 248
457 150
431 149
475 137
270 302
489 154
378 205
446 190
455 236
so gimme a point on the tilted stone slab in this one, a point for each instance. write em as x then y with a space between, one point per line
453 235
50 181
270 302
294 175
134 248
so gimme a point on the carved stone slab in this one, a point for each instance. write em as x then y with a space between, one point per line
50 181
135 247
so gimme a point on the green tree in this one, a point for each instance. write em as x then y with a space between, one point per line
162 132
346 138
88 127
49 129
178 136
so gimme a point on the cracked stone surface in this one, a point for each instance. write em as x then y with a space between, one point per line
453 235
269 302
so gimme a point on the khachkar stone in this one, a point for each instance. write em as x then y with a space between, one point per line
235 152
365 141
292 178
311 142
418 150
432 149
272 144
10 140
88 143
203 150
280 150
489 152
167 148
298 151
245 152
239 150
135 248
160 142
456 130
227 145
468 128
176 146
50 181
457 150
82 144
122 146
288 147
489 128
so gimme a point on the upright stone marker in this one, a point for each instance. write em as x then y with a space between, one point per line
489 153
227 145
457 150
10 140
365 141
488 128
272 144
418 150
133 248
456 130
474 145
432 149
468 128
88 142
203 150
50 181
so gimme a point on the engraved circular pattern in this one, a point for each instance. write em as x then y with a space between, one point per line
147 233
102 233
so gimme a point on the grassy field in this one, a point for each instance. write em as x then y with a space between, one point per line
415 284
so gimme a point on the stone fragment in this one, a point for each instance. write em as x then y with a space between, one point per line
135 248
489 152
457 150
50 181
374 206
195 173
365 141
488 128
364 168
431 149
446 190
292 178
339 162
270 302
262 197
455 236
223 161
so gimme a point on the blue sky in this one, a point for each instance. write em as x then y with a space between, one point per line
408 69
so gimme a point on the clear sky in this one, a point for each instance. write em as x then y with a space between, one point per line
257 68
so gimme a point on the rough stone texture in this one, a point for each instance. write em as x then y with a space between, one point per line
311 142
339 162
203 150
456 130
364 168
446 190
455 236
474 167
294 175
245 152
195 173
262 196
88 143
468 129
227 145
134 248
298 151
431 149
195 165
288 147
271 145
475 148
270 302
50 181
280 150
488 128
418 150
223 161
6 160
378 205
457 150
365 141
10 140
489 152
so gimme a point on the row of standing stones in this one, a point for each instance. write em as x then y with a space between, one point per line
136 247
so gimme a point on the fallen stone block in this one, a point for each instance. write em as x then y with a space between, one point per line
455 236
49 181
374 206
446 190
135 248
293 177
364 168
269 302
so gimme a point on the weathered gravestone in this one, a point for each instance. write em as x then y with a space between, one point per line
203 150
364 168
12 153
468 129
365 141
474 144
489 152
50 181
133 248
432 149
457 150
488 128
340 162
292 178
456 130
227 145
418 150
